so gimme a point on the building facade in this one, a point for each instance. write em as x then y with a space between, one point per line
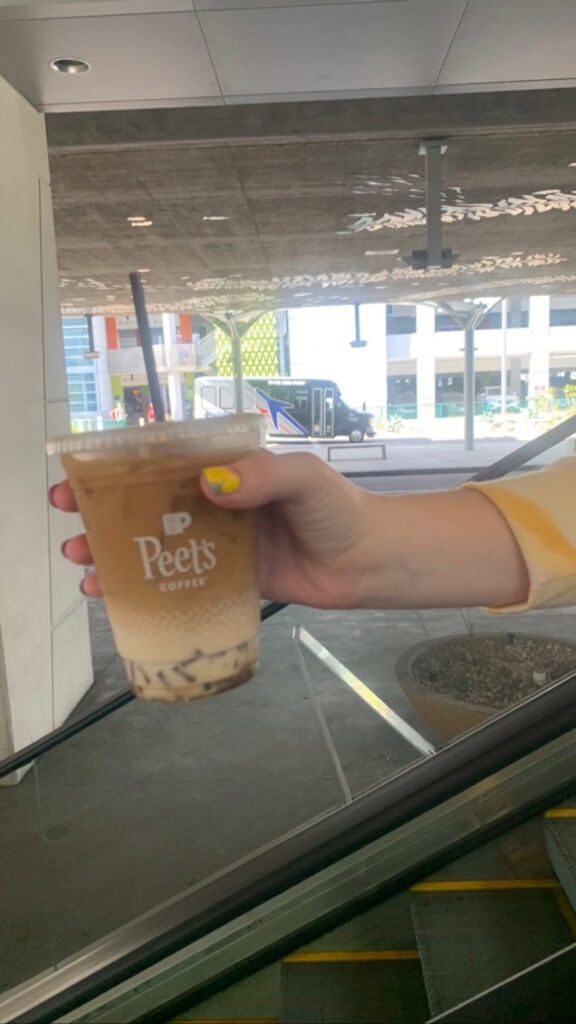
413 362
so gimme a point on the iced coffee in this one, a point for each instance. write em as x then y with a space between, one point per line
178 574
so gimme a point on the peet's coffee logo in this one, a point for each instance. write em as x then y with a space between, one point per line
174 523
191 560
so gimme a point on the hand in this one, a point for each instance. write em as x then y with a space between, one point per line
312 526
311 532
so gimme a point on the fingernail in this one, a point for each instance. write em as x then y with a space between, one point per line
83 589
51 493
221 480
63 548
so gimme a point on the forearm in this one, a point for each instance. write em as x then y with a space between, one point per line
449 549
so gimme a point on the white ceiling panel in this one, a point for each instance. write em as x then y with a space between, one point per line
152 57
514 41
338 47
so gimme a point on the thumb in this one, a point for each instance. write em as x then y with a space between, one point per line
262 478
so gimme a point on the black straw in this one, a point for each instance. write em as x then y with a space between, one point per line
146 342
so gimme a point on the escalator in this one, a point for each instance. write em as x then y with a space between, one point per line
397 907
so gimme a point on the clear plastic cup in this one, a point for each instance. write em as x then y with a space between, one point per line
178 574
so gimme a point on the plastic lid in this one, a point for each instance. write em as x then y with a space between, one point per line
217 434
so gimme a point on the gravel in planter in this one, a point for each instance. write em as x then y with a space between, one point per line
495 671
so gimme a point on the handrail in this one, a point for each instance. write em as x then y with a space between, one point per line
64 732
500 468
426 784
526 452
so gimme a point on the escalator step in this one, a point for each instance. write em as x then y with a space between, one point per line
475 935
356 991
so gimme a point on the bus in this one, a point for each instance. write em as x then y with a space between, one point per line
293 407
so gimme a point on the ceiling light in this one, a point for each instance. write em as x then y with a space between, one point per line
381 252
143 270
141 223
215 217
70 65
134 219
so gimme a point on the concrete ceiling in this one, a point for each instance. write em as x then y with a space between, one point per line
321 201
299 123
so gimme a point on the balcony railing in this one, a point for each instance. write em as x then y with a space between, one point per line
168 360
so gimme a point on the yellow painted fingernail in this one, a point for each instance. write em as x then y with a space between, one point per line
221 480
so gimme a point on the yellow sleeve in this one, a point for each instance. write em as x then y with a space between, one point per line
540 509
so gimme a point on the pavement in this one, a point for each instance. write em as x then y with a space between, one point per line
154 799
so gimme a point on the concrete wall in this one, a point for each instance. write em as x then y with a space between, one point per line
45 664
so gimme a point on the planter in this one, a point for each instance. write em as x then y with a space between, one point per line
479 676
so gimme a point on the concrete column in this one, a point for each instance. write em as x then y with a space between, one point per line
373 359
516 375
103 384
169 333
539 367
426 323
422 348
426 386
539 372
45 664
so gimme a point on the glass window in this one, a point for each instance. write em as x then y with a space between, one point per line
226 399
445 322
76 340
281 392
82 393
400 319
518 312
299 397
492 321
209 398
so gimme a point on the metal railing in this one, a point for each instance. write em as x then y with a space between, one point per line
206 351
538 407
131 360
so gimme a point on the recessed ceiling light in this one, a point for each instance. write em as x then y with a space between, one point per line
381 252
216 217
70 65
141 223
572 165
133 220
143 270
